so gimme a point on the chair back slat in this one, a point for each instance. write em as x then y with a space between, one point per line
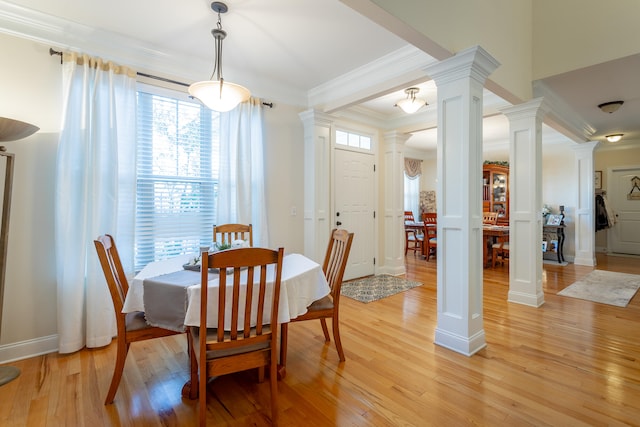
227 233
233 265
430 218
336 258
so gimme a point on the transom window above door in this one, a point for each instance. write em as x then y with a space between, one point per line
354 140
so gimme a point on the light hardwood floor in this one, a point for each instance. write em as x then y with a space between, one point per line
567 363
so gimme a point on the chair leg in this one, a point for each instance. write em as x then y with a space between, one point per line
336 336
284 341
323 322
202 394
121 357
273 382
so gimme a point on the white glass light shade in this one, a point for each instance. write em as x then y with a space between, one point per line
411 105
615 137
209 93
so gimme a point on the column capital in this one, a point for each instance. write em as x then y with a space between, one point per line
474 62
315 117
534 108
587 147
397 137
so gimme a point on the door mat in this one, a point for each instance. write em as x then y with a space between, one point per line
605 287
374 288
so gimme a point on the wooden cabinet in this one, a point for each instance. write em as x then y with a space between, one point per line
495 191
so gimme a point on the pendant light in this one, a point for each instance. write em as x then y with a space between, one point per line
219 95
411 104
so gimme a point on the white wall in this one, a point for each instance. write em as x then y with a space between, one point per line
30 84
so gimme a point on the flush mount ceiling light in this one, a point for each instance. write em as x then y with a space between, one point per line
411 104
614 137
219 95
611 107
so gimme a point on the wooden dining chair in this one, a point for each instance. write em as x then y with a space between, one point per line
430 240
412 241
227 233
244 338
335 262
490 218
408 216
131 327
500 249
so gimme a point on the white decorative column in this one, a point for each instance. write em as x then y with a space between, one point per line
394 202
460 80
584 218
317 170
525 202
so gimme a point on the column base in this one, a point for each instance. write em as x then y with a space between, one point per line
463 345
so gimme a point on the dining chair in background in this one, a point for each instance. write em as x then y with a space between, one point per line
335 262
500 249
227 233
490 218
408 216
132 327
244 339
430 240
412 241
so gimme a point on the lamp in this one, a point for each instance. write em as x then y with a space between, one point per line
611 107
218 94
10 130
614 137
411 104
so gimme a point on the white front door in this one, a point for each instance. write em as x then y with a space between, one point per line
623 193
354 208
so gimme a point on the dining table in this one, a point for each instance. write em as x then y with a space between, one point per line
168 292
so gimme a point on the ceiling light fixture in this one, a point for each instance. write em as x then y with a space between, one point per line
611 107
614 137
218 94
411 104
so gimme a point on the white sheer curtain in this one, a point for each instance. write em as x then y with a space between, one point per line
95 167
241 195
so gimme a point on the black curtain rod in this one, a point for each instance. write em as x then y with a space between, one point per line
151 76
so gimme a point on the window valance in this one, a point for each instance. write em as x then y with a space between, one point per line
412 167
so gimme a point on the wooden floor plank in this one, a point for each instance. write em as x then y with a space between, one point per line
569 362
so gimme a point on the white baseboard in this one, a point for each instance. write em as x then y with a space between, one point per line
30 348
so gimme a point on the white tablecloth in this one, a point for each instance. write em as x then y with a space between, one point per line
302 283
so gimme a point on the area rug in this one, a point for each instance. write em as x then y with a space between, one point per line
605 287
374 288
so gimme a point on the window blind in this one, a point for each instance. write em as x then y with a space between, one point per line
177 176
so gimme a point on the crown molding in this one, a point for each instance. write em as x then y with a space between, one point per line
370 80
560 116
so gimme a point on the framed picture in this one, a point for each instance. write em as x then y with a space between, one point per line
597 180
544 246
552 246
554 219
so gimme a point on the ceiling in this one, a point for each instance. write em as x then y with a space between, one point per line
285 50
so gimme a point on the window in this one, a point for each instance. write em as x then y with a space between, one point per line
412 195
353 140
176 177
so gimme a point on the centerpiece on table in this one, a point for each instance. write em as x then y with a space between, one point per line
194 263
